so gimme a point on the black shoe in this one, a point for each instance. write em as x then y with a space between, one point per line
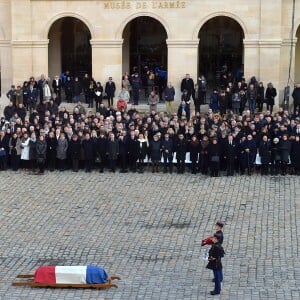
214 293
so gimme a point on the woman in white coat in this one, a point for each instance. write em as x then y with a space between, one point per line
25 151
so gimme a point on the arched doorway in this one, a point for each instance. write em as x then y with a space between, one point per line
297 57
69 47
144 45
220 48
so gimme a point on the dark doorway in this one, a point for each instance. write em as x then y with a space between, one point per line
69 47
220 49
144 44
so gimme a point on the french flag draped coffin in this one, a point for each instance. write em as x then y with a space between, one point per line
70 274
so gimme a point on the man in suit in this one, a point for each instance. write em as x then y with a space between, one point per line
230 155
32 95
110 89
57 86
187 84
296 97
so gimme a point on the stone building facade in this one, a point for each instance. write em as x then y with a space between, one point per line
35 36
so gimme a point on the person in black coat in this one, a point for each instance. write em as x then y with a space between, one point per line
181 149
167 152
98 95
204 157
285 149
21 111
9 111
214 153
110 89
271 93
32 95
32 151
187 84
123 151
155 153
51 150
88 150
101 146
41 153
112 151
57 86
264 151
133 151
230 154
214 263
296 97
275 157
184 110
68 89
4 145
142 152
248 151
76 90
260 96
295 157
74 151
194 147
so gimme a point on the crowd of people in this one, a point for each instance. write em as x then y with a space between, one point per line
238 134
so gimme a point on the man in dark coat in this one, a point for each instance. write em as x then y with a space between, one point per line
136 85
74 151
285 150
214 153
57 86
76 90
21 111
40 87
187 84
101 147
167 152
230 154
133 150
275 157
9 111
110 89
123 151
295 158
248 154
32 97
296 97
88 150
194 148
112 151
12 95
181 149
264 151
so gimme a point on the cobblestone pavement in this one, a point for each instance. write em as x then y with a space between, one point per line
147 229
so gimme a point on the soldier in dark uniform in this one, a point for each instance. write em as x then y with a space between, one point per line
216 252
219 230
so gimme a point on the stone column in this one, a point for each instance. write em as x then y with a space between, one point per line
182 59
40 61
269 63
22 58
6 72
54 54
107 61
251 59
